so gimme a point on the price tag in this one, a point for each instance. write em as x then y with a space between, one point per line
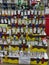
24 59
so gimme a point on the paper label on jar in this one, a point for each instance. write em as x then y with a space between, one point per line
0 1
14 12
35 12
5 42
0 29
19 21
43 21
9 21
31 30
36 21
29 21
26 30
5 12
34 30
33 21
5 20
20 41
25 12
12 20
40 21
2 12
13 30
42 12
23 41
2 21
8 12
5 52
18 11
18 30
22 30
39 12
28 12
38 30
4 30
21 13
31 11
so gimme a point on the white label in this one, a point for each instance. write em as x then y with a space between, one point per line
8 12
0 29
2 21
34 30
31 30
20 41
12 20
24 60
23 41
9 21
36 21
18 11
0 1
2 12
21 13
35 12
5 20
13 30
5 12
31 11
40 21
14 12
4 30
25 12
33 21
28 12
38 30
18 30
39 12
22 30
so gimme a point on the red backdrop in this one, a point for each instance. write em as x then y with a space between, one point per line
47 24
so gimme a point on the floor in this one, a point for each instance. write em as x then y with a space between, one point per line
47 53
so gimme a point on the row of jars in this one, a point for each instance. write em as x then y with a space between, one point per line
19 21
22 30
21 12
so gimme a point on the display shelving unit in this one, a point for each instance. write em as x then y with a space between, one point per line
22 32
